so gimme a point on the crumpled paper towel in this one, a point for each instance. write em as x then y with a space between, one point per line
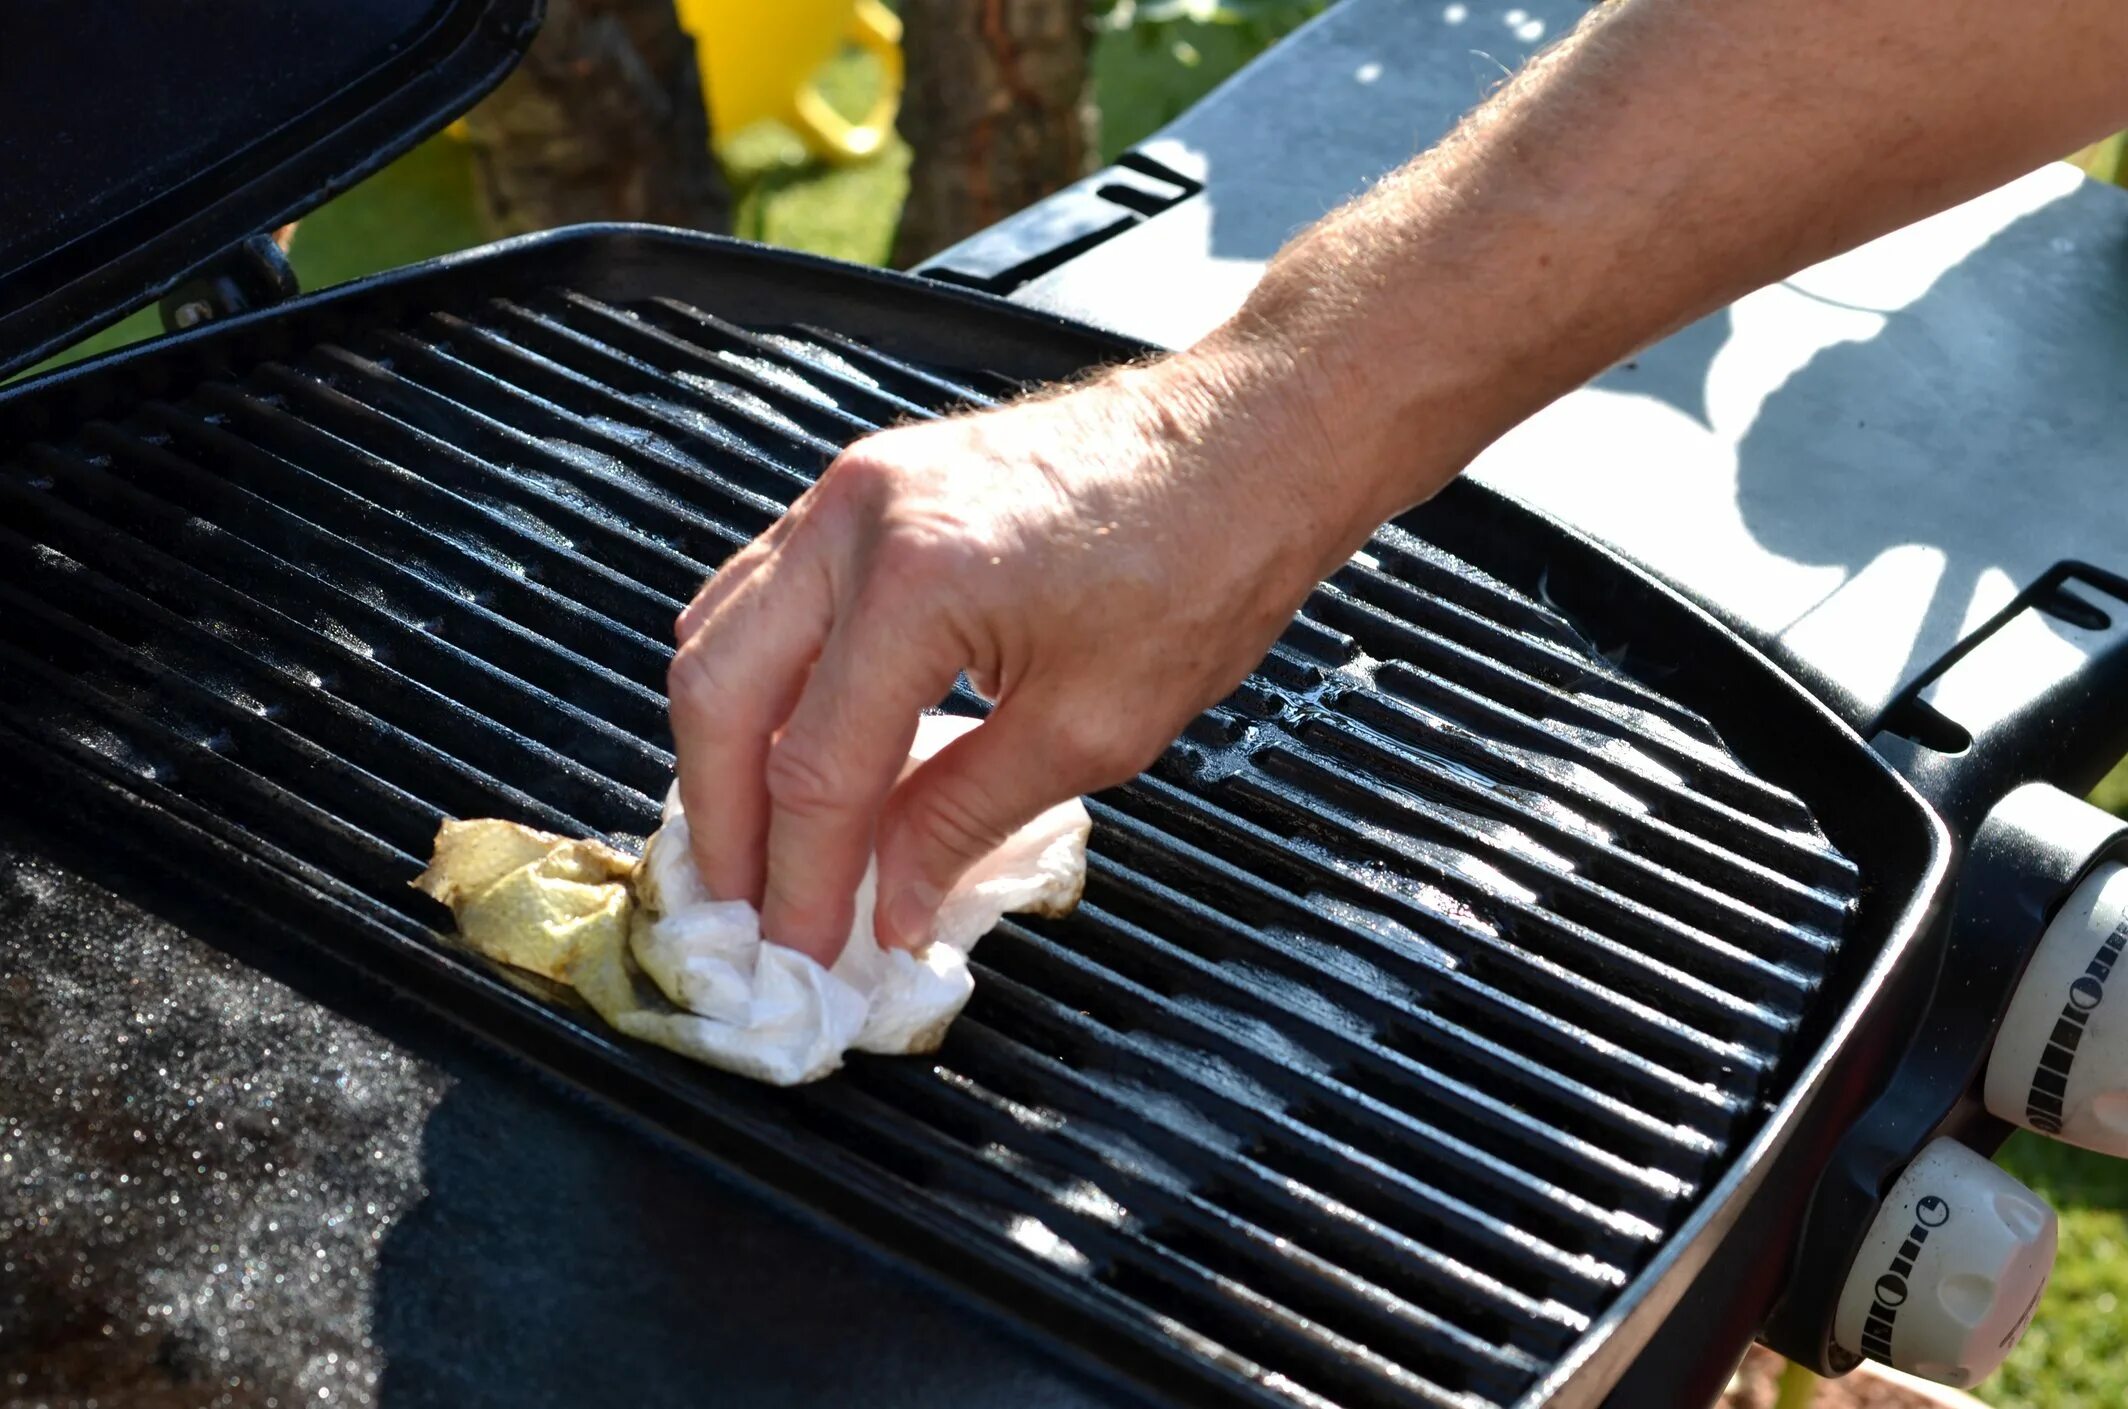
663 961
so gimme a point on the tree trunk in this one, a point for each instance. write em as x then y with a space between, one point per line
602 121
996 110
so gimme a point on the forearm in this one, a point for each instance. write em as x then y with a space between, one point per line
1665 159
1108 560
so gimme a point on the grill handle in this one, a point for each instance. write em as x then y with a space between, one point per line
2019 700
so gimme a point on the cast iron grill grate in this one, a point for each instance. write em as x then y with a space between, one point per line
1417 994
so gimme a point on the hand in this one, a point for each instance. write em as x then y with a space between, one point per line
1102 562
1106 561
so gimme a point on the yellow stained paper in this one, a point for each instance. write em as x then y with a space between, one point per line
564 909
646 945
530 898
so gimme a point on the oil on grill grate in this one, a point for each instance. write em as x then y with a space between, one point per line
1416 994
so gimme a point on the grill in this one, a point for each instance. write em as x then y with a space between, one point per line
1421 993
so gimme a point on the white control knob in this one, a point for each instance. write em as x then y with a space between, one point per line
1951 1270
2060 1064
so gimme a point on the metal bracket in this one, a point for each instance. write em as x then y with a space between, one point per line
2021 700
1058 228
254 274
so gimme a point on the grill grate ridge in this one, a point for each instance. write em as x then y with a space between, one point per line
1458 1292
1272 970
1417 993
1403 1005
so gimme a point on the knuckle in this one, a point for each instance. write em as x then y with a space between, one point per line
918 535
723 585
1095 747
806 905
802 779
689 619
692 676
867 471
922 555
945 820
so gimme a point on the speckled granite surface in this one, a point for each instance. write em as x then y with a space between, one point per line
227 1186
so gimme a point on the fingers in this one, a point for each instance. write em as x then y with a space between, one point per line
737 569
717 590
732 684
837 759
981 788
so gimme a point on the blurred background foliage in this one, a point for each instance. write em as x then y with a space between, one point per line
1153 59
1150 60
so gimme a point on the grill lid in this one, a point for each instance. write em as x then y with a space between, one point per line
137 142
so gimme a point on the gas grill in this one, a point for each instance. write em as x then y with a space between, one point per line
1484 996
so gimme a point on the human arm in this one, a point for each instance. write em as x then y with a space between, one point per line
1107 560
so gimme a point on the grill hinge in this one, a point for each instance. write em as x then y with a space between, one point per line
252 274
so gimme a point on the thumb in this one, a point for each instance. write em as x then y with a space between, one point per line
963 803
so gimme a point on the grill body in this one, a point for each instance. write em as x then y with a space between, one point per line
1441 1003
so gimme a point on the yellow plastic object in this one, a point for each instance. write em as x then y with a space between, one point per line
759 59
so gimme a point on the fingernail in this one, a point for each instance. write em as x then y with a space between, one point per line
910 914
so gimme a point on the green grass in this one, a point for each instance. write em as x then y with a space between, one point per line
1147 74
2076 1354
420 206
846 212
